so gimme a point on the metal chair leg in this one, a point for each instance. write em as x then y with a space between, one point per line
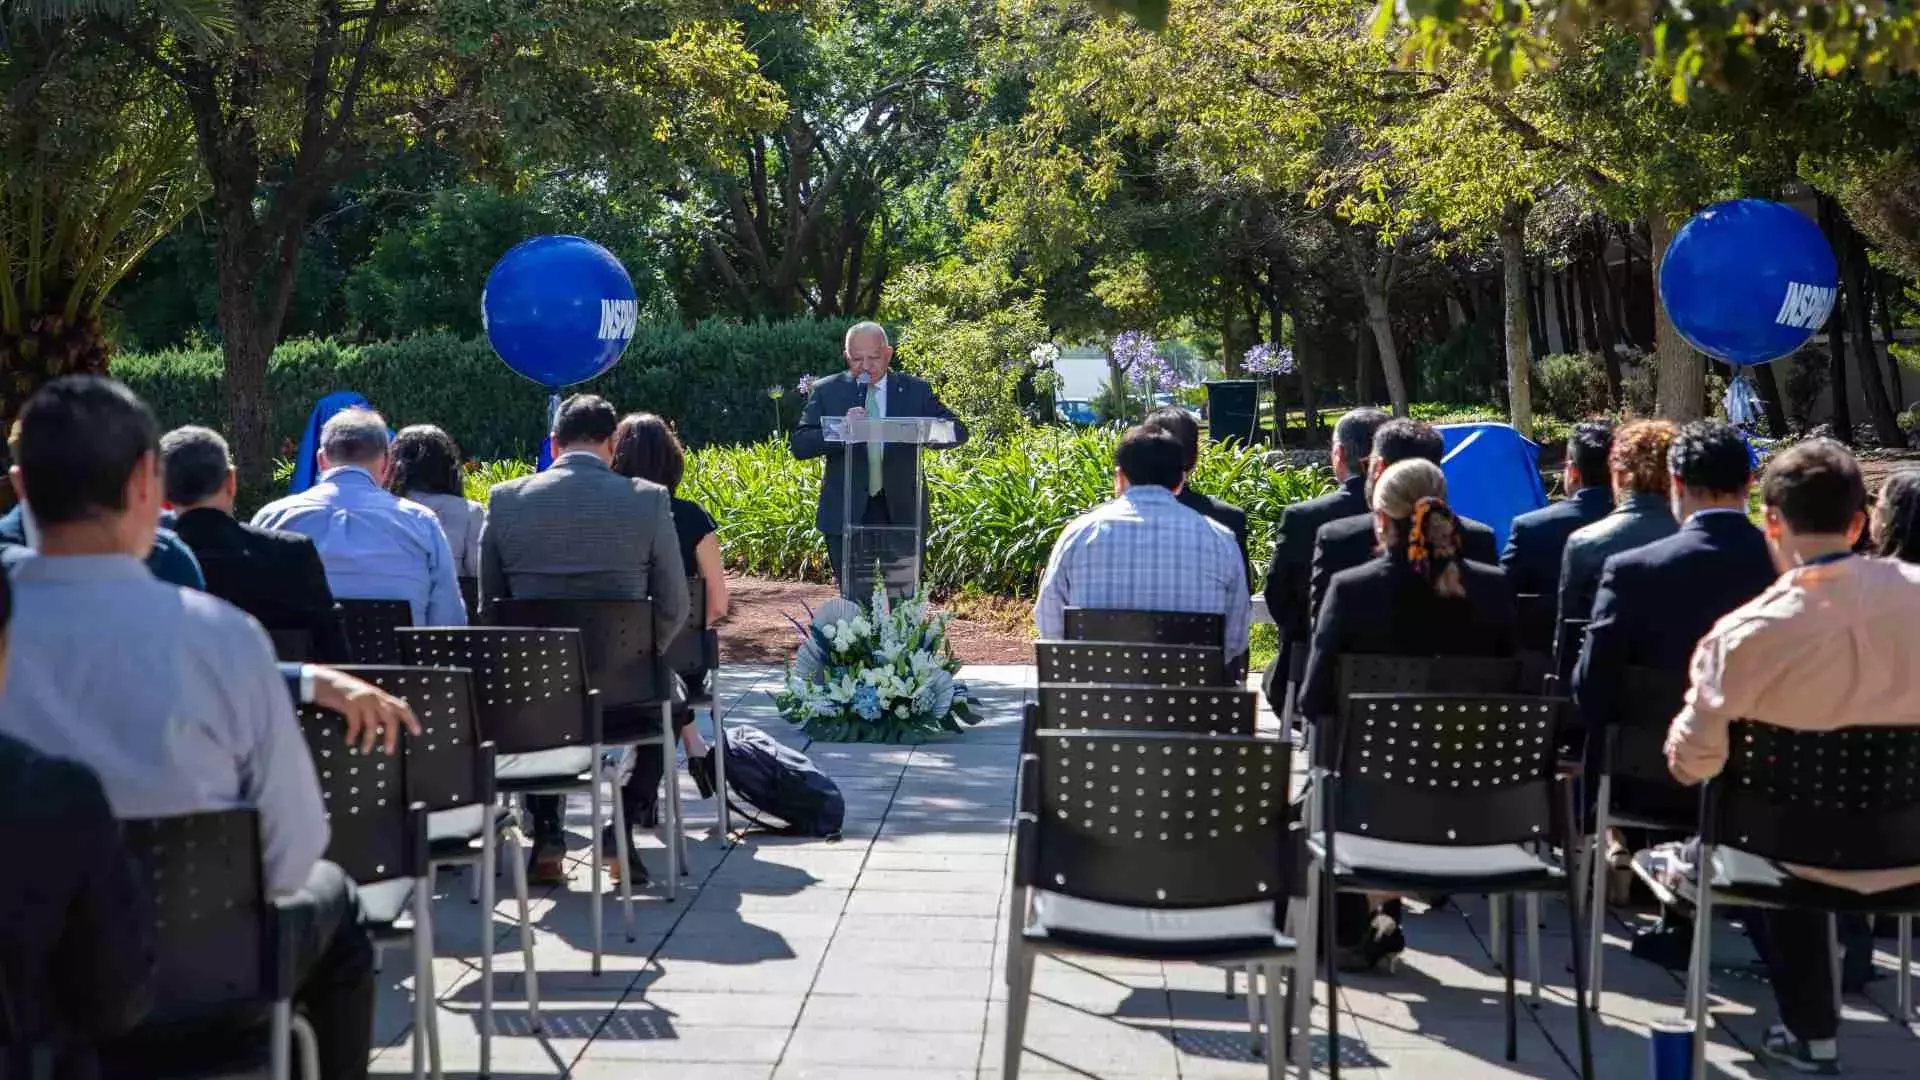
1228 992
306 1045
1702 971
423 950
1020 961
1276 1020
1513 1027
1253 1006
483 872
1597 894
720 771
1904 993
669 801
1307 938
281 1035
599 860
622 846
1533 943
1496 931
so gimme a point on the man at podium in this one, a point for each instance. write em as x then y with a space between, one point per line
885 477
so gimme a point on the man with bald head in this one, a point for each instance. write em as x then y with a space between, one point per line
375 545
883 477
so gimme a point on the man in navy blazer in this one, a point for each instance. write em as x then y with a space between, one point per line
1286 588
884 393
1538 538
1656 602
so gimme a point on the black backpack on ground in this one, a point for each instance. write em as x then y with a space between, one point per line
782 782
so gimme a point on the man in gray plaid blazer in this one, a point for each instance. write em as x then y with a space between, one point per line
581 531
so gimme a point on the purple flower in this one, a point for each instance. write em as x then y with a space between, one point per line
1268 358
805 385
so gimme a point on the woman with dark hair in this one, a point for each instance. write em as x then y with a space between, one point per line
645 448
1417 598
1896 517
426 469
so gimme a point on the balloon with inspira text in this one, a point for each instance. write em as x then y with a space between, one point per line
1748 281
559 309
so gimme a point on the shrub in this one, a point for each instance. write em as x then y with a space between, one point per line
996 507
711 379
1570 386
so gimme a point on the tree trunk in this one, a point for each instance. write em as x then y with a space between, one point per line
1886 423
1599 319
1837 370
1883 284
1681 380
1303 367
1365 346
1380 321
1537 311
1561 284
1513 264
1776 411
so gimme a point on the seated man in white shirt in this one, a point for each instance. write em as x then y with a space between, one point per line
1144 551
170 695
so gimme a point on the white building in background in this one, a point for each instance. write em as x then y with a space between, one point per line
1083 372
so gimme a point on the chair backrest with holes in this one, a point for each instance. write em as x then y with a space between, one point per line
292 646
529 683
1534 615
214 941
696 648
372 628
616 640
443 767
1644 706
1447 769
1127 662
1157 820
1374 674
1155 627
375 833
1841 800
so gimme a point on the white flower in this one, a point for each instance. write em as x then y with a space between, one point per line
900 711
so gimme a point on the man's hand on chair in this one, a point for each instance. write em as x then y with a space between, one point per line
373 715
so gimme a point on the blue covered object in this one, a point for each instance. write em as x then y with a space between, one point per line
1493 474
306 467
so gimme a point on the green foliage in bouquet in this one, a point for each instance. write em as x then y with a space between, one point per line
882 673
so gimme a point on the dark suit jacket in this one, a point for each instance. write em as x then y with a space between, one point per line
1656 602
1234 518
79 939
1287 587
1636 521
274 576
1538 538
1349 542
170 560
1382 608
581 531
832 397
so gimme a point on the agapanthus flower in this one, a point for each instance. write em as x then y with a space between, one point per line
1268 358
805 385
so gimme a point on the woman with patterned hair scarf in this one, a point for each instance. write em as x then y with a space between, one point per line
1417 598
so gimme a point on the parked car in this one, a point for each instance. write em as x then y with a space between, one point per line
1075 411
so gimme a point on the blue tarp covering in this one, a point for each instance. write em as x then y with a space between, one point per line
1493 474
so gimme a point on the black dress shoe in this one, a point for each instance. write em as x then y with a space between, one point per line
1668 943
701 769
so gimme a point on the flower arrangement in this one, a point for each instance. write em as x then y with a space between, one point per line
883 673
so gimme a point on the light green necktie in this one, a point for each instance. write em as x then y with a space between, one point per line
876 452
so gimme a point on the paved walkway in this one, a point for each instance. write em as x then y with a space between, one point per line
878 957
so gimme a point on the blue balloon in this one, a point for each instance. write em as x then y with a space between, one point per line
1748 281
559 309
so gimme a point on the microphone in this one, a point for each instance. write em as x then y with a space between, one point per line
862 380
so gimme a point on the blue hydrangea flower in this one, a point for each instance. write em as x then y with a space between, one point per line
866 702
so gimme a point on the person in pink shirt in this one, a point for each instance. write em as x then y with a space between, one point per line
1833 643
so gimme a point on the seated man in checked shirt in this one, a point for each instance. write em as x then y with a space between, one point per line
1143 551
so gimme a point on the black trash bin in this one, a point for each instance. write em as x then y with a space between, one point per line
1233 410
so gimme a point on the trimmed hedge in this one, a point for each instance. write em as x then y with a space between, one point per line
711 380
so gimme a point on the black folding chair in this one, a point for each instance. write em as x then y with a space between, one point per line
1128 663
1634 788
532 702
1831 800
378 835
470 596
697 649
1156 627
637 693
450 769
1446 793
372 628
1159 865
222 956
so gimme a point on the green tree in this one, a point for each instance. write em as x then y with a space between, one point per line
300 95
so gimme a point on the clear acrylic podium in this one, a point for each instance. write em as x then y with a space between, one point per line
888 554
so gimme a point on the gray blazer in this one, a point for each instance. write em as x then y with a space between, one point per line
833 396
1636 521
581 531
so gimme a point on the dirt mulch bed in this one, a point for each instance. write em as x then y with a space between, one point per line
759 631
